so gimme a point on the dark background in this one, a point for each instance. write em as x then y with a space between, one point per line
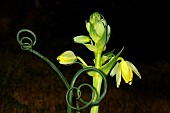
141 26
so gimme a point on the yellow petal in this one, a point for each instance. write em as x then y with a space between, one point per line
125 71
130 76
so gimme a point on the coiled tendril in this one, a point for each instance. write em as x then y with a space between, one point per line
69 94
26 42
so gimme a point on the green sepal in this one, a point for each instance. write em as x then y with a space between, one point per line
88 24
92 32
101 43
107 67
99 28
108 33
95 17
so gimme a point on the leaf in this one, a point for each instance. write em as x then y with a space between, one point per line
107 56
107 67
110 53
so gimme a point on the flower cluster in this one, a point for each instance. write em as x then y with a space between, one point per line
99 34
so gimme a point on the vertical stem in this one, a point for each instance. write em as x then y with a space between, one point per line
97 80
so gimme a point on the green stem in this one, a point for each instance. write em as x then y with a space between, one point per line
81 60
97 81
98 59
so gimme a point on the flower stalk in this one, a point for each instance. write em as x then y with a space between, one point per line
97 81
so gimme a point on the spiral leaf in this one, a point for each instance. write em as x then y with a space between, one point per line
69 94
79 96
26 42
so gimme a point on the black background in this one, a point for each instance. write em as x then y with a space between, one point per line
141 26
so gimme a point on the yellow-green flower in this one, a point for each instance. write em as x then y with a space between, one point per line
124 69
98 30
68 57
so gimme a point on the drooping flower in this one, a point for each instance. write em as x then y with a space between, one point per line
124 69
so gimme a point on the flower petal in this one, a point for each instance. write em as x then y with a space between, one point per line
135 70
125 71
130 76
118 76
114 70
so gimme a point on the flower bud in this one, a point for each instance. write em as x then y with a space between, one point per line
82 39
68 57
95 17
